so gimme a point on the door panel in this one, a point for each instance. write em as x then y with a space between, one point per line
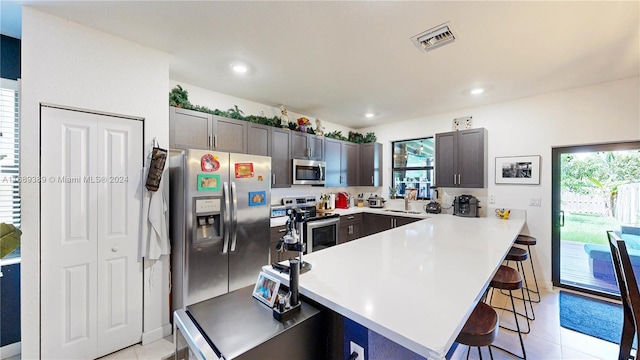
91 280
252 229
589 183
68 240
119 271
445 160
77 316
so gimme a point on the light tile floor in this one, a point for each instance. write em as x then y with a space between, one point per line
546 341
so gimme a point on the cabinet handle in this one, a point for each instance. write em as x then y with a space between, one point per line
392 222
454 179
282 230
273 179
371 179
350 229
209 141
215 141
459 180
349 217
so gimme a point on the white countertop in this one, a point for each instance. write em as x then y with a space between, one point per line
415 284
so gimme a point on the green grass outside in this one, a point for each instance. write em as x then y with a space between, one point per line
587 228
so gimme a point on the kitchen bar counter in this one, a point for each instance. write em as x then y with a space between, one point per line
415 284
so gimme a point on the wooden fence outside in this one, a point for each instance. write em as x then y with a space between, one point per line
584 204
626 208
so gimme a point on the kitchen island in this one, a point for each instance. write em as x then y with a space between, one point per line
416 284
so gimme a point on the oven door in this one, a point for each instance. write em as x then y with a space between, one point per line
321 234
308 172
189 341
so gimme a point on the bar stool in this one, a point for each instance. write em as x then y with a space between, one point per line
507 278
480 329
530 241
519 256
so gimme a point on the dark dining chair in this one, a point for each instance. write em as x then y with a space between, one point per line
628 292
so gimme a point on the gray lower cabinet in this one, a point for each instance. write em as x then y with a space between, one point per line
306 146
370 164
190 129
461 158
375 223
351 227
342 162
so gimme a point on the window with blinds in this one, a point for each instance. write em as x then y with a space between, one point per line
9 155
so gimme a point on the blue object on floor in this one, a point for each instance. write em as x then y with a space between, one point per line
593 317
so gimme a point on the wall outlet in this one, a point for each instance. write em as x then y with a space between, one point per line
358 349
492 199
535 202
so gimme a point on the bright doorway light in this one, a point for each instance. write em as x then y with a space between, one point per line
369 115
477 91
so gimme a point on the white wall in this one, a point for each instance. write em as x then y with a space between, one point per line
68 64
532 126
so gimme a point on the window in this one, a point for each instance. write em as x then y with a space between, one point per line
413 168
9 155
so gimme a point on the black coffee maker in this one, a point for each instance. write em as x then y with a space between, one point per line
466 205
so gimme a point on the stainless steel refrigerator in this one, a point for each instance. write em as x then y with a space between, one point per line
219 222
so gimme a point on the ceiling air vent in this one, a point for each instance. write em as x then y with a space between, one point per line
435 37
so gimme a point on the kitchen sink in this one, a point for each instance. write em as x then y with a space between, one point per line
404 211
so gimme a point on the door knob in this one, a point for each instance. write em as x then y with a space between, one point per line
114 249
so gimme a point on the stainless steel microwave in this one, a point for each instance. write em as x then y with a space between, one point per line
308 172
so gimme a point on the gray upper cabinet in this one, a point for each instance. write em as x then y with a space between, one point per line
370 164
281 164
306 146
259 139
342 162
229 135
190 129
461 159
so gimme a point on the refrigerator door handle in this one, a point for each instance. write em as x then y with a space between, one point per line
227 222
234 217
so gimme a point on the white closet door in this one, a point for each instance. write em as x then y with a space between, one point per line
68 235
119 271
91 280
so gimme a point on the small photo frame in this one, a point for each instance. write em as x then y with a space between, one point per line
518 170
266 289
257 198
208 182
244 170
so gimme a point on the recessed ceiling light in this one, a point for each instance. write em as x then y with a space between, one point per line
477 91
239 68
369 115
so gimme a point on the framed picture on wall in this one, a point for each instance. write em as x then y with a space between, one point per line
518 170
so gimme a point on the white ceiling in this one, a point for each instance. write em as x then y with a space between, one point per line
337 60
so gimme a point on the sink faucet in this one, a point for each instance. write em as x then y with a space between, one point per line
406 203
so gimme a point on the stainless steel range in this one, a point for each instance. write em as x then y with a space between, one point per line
319 230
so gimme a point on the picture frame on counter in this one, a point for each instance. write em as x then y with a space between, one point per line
518 170
266 289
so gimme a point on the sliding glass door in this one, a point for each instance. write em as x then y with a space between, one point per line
595 188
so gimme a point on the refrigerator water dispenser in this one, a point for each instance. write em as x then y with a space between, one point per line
208 220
